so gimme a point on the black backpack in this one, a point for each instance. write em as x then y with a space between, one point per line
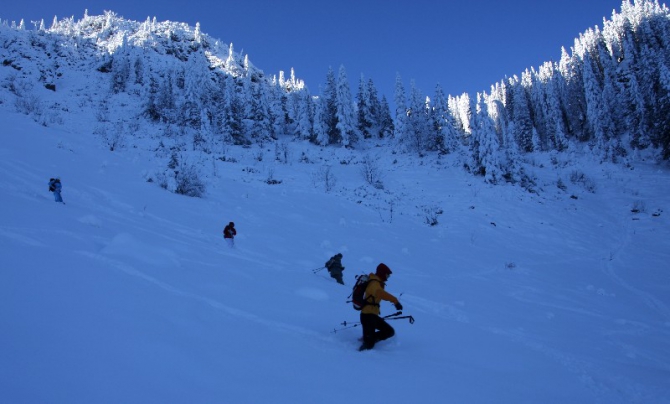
358 293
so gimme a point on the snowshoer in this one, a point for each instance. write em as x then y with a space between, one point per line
229 234
376 328
335 268
55 187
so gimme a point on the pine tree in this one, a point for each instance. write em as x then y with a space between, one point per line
488 139
550 106
321 136
597 121
277 101
120 68
364 113
261 128
400 119
416 134
439 120
444 136
375 110
476 164
386 127
661 117
330 116
293 101
633 111
165 99
233 124
197 90
346 121
304 115
461 109
139 72
573 95
521 115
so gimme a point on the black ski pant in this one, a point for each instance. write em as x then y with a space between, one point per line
375 329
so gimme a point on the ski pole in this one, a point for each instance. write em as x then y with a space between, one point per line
348 325
315 270
344 323
411 319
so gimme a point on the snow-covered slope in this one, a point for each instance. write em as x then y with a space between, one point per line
127 292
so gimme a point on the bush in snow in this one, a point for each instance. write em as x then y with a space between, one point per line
271 178
431 213
181 178
188 181
113 137
29 104
325 176
282 152
561 185
371 172
579 178
639 207
304 158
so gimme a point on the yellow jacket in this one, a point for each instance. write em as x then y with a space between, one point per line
374 294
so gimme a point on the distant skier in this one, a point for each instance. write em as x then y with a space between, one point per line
335 268
370 320
229 234
56 187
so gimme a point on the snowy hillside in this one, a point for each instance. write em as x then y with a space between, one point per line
128 294
126 82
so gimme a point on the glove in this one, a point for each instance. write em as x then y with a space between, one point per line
398 306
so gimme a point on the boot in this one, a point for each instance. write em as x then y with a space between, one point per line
367 345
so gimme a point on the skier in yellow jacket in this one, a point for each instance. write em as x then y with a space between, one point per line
374 327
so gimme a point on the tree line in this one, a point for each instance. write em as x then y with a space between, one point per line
610 92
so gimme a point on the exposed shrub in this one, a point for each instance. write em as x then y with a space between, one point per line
561 185
431 213
325 176
579 178
638 207
183 179
188 182
371 172
271 178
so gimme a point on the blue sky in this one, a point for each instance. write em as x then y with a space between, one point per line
464 46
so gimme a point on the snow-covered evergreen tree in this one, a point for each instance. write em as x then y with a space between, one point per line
611 89
346 118
120 68
261 127
520 115
573 96
443 135
386 127
375 109
417 128
552 110
233 123
488 144
277 101
461 109
364 111
329 100
400 119
304 112
321 130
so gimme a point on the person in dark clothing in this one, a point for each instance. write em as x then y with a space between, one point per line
335 268
375 328
55 187
229 234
